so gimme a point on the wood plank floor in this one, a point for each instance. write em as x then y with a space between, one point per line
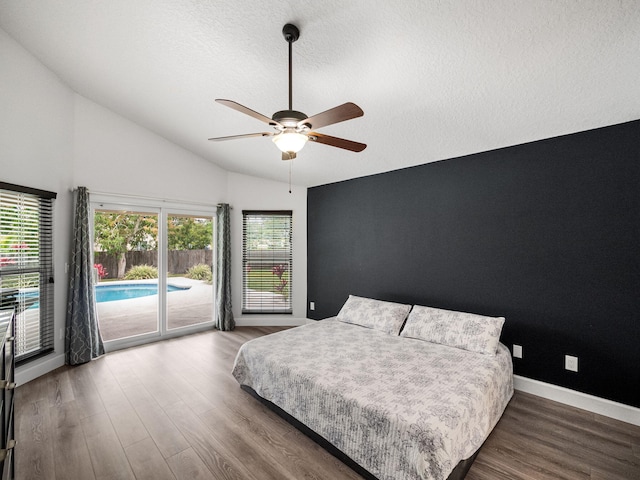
172 410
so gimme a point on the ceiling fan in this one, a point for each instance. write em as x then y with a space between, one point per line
292 129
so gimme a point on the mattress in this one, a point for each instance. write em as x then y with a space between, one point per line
401 408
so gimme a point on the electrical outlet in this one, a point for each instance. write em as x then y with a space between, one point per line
571 363
312 305
517 351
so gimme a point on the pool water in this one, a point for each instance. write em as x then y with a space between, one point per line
110 293
126 291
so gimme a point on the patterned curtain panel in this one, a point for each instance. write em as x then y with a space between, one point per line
224 315
83 341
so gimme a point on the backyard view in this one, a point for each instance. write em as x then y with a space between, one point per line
266 262
26 269
126 266
127 271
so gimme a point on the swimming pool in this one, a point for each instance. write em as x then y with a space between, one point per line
110 293
127 291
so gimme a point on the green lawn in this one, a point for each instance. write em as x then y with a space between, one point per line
266 281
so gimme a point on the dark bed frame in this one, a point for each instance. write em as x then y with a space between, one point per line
458 473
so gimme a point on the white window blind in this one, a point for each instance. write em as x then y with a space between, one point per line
266 261
26 265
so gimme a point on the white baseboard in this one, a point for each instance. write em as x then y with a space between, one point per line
31 371
598 405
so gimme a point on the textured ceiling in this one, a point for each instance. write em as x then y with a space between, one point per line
436 79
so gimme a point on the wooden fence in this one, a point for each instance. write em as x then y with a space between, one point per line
179 260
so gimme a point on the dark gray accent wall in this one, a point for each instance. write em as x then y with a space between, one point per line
546 234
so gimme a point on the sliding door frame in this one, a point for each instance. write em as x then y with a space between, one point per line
163 208
167 332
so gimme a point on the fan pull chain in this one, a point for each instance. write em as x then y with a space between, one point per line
290 162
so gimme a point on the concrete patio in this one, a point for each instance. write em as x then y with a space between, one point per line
136 316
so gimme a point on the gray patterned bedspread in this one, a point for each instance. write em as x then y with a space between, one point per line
401 408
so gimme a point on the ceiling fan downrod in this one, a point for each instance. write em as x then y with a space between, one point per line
289 120
291 34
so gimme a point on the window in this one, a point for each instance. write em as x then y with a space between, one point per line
26 265
266 261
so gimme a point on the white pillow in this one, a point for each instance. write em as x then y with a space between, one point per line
367 312
467 331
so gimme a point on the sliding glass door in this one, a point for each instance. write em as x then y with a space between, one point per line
189 269
153 267
126 267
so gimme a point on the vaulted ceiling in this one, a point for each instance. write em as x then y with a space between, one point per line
436 79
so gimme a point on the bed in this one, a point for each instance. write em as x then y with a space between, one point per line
403 395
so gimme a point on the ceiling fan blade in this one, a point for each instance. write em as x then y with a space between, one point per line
246 135
338 114
336 142
247 111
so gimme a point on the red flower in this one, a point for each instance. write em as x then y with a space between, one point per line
101 270
279 270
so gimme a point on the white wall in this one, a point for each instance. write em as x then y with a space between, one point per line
36 150
53 139
250 193
115 155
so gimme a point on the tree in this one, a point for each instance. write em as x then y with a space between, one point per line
19 232
267 232
118 232
189 233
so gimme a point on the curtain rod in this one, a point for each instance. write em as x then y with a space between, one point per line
155 199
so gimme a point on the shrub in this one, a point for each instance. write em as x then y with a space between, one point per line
101 270
202 271
141 272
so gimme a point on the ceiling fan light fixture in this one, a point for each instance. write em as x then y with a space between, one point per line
290 141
